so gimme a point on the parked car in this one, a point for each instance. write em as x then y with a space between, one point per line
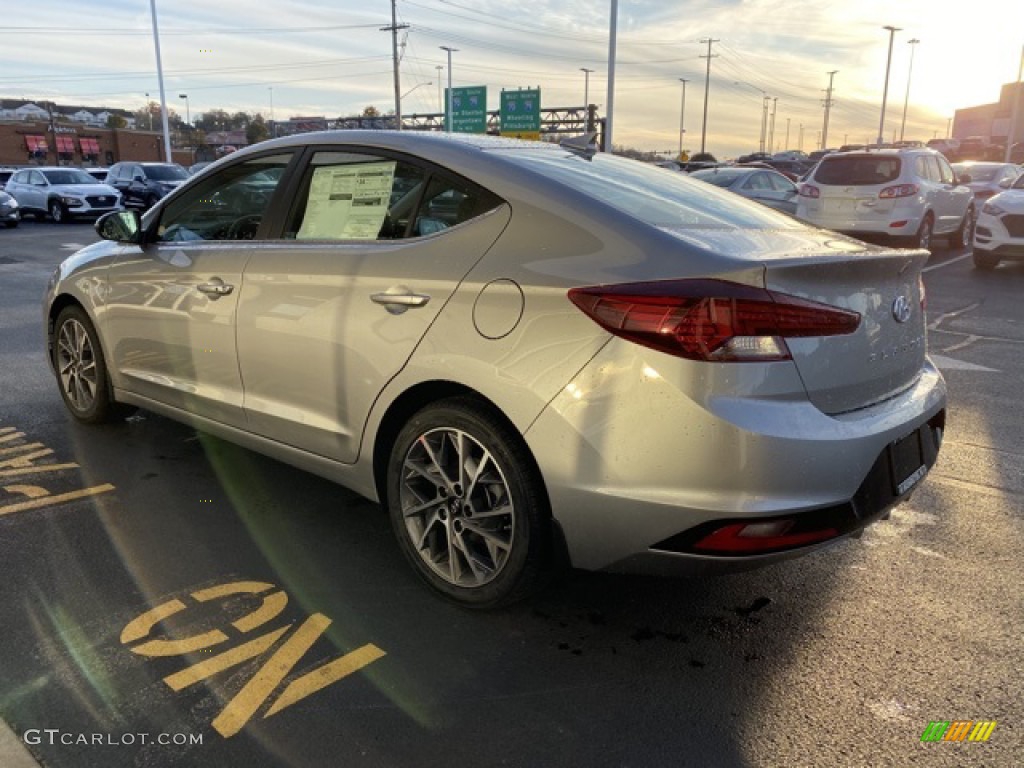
987 179
766 186
5 175
907 194
10 213
100 174
999 235
528 353
947 147
143 184
63 193
197 167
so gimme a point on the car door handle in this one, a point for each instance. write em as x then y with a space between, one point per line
397 303
215 288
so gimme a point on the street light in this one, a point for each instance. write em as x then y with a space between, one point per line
440 103
885 88
418 85
188 120
149 109
682 114
448 106
586 98
906 99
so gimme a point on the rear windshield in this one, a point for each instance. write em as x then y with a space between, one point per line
978 172
717 177
649 194
165 172
858 171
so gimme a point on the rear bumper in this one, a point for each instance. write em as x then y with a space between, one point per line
638 470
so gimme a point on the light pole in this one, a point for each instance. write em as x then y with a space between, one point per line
160 80
885 88
906 99
448 106
418 85
188 119
586 98
440 103
149 109
613 24
682 114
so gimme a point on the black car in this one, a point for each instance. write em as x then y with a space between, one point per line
142 184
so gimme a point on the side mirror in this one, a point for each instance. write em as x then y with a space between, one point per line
120 226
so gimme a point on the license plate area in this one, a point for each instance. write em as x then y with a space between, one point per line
906 462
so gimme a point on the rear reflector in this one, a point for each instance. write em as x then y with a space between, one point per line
749 538
710 320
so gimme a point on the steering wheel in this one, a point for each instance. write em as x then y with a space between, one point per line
244 227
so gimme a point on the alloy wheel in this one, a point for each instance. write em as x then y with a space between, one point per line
456 506
76 365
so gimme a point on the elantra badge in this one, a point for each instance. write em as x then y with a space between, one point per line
901 309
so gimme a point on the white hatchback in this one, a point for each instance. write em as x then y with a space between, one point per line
908 194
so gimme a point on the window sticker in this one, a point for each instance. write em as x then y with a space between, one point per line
348 202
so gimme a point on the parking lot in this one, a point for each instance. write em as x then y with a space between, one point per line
173 599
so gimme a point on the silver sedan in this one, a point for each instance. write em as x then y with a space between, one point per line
529 354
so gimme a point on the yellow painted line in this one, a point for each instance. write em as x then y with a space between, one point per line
32 491
20 448
36 470
323 676
139 627
180 647
26 461
232 588
7 434
209 667
54 500
241 708
273 604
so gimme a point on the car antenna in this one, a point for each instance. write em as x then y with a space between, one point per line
584 145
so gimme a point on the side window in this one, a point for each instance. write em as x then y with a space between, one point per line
230 205
921 167
780 183
355 196
945 172
757 181
932 169
36 178
448 202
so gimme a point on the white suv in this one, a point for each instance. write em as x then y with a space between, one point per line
909 194
1000 232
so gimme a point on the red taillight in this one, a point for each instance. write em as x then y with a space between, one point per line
749 538
809 190
710 320
900 190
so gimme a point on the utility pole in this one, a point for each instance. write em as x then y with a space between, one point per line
393 29
828 108
586 98
682 114
1012 131
707 85
764 121
771 139
800 142
885 88
787 134
448 106
610 110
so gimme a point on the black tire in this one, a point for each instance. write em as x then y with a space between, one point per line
58 212
81 368
923 237
986 262
964 235
477 560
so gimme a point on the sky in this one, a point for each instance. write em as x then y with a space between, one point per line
330 57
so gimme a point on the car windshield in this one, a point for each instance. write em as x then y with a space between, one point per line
978 172
860 170
165 172
649 194
720 178
69 176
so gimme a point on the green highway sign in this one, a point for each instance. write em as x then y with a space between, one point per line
520 114
469 109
